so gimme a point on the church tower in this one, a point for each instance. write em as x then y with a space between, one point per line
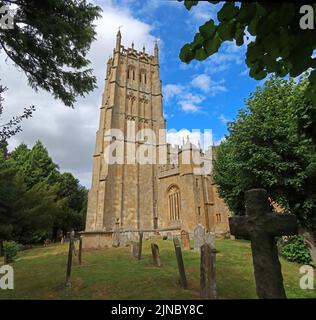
125 193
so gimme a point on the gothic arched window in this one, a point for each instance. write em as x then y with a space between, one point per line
174 202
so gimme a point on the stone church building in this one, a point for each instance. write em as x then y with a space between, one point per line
150 197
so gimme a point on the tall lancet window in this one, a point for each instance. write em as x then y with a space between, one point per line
174 202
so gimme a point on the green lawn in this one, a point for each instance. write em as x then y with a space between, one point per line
114 274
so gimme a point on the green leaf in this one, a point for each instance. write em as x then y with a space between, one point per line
246 12
197 42
200 54
190 3
212 45
186 53
312 77
208 29
227 12
227 30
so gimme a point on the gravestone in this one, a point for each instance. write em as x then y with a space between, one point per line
169 235
134 249
208 272
199 236
140 245
116 234
183 279
123 239
210 239
312 250
69 262
80 250
262 226
155 254
185 239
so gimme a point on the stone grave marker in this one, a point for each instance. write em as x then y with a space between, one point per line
210 239
262 226
312 250
199 236
80 250
116 234
185 239
155 254
134 249
183 279
69 262
123 239
140 245
208 272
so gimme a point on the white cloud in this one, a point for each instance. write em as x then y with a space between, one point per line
171 90
69 134
207 85
202 81
190 103
204 139
224 119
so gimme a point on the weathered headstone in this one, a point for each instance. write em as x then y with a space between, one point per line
312 250
210 239
80 250
116 234
199 236
155 254
262 226
123 239
183 279
208 272
140 245
134 249
69 262
169 235
185 239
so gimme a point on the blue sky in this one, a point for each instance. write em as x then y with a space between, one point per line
201 94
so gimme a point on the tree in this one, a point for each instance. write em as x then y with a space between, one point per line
278 43
36 200
13 126
265 149
49 42
34 165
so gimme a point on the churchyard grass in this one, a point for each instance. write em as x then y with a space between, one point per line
40 273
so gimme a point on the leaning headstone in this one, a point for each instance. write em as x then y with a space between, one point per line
208 275
169 235
116 234
140 245
183 279
210 239
80 250
185 239
155 254
69 262
199 236
312 250
262 226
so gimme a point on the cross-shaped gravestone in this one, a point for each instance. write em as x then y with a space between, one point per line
262 226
